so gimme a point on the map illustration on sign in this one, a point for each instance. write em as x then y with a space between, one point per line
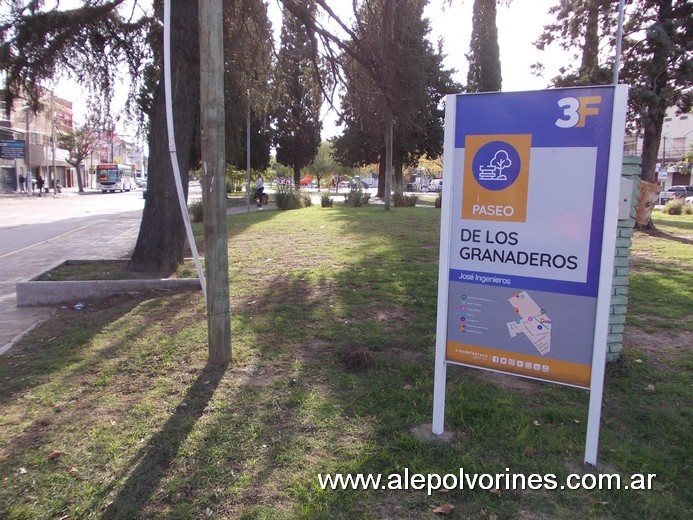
533 322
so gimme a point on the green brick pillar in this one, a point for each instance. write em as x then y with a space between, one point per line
619 289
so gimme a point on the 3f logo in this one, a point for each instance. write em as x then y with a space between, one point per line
576 110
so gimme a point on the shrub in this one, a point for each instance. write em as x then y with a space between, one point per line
400 200
356 360
195 208
306 200
357 198
235 180
288 197
674 207
326 201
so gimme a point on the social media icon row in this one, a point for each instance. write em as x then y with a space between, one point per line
537 367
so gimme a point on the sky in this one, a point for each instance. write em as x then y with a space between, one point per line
519 25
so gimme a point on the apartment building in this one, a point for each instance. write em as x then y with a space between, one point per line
26 143
675 146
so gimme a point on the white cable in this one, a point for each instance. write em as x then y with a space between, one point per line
172 145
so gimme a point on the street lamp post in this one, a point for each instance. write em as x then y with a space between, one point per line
55 172
27 152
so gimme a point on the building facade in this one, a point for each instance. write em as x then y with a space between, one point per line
675 149
27 147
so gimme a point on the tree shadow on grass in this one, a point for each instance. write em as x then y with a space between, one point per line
153 460
658 233
47 351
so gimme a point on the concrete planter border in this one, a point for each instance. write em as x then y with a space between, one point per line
34 292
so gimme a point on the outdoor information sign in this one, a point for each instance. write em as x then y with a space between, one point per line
11 149
530 206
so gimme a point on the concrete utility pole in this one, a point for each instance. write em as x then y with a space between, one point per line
247 156
214 185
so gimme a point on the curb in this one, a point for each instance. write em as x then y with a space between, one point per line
36 293
19 336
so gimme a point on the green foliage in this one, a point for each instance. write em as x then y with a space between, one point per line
674 207
656 59
297 79
401 200
357 198
236 180
195 208
484 54
288 197
325 200
406 79
306 200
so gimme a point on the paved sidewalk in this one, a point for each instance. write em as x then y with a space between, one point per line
36 259
94 240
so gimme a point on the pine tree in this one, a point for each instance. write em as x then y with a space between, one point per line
90 42
403 78
484 54
582 27
659 69
656 58
297 111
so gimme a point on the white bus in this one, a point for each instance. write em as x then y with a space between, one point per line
114 177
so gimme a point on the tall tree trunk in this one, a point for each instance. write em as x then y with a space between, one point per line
381 175
80 183
161 238
297 175
388 161
652 134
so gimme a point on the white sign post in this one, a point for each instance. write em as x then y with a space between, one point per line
528 230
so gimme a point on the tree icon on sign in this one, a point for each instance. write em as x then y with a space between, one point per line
500 162
494 170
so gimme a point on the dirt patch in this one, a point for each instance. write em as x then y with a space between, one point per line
660 346
425 432
507 381
404 355
260 377
83 270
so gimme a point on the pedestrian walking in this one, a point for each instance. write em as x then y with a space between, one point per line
39 184
22 180
259 188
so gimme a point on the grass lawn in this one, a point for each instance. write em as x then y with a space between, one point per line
111 411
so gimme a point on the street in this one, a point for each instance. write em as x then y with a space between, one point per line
36 233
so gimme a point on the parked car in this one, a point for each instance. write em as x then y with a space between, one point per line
675 192
436 185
